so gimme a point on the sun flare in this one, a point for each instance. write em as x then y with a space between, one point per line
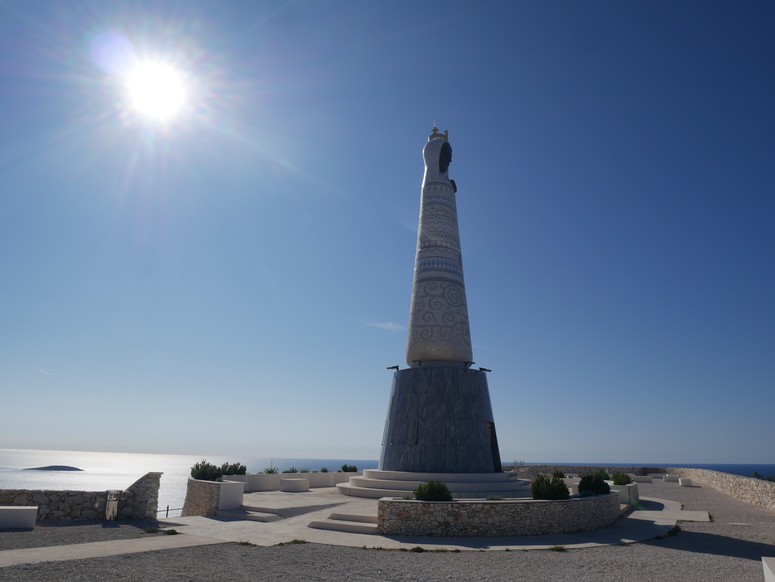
157 90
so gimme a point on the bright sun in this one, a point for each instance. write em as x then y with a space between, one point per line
157 90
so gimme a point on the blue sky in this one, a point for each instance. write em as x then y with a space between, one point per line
235 281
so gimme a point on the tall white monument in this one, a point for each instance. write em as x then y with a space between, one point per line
440 418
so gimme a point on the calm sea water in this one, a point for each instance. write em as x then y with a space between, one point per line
102 471
735 469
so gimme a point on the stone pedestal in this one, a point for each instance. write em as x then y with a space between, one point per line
440 421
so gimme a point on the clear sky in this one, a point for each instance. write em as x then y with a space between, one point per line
235 279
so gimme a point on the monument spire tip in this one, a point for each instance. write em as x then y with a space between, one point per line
436 134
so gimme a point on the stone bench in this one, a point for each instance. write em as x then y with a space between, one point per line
684 482
768 564
295 485
18 517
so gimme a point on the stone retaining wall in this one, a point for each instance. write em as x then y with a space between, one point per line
201 498
530 471
495 518
138 501
748 489
755 491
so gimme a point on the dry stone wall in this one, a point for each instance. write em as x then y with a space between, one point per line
141 499
756 491
138 501
201 498
530 471
495 518
58 505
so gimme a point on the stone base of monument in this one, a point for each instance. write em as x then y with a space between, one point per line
440 421
375 484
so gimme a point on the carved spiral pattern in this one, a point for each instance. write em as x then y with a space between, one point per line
454 296
439 322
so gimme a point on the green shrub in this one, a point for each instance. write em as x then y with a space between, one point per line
603 474
543 487
324 470
233 469
593 485
271 470
433 491
291 470
349 469
558 474
205 471
557 549
621 479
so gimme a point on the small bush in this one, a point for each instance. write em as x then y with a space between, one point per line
171 532
349 469
621 479
291 470
543 487
205 471
557 549
603 474
270 470
433 491
593 485
558 474
324 470
233 469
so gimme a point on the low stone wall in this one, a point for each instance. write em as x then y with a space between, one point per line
201 498
495 518
530 471
748 489
138 501
58 505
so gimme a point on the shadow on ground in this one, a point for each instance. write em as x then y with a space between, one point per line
705 543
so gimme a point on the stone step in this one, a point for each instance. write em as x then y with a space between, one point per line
347 489
344 526
249 515
372 493
446 477
353 517
348 523
456 487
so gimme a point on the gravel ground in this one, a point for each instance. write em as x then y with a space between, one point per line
59 533
727 549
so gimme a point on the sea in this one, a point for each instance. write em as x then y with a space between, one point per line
103 471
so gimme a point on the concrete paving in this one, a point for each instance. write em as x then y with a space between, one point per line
292 512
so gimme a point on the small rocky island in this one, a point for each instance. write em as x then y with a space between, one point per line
53 468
